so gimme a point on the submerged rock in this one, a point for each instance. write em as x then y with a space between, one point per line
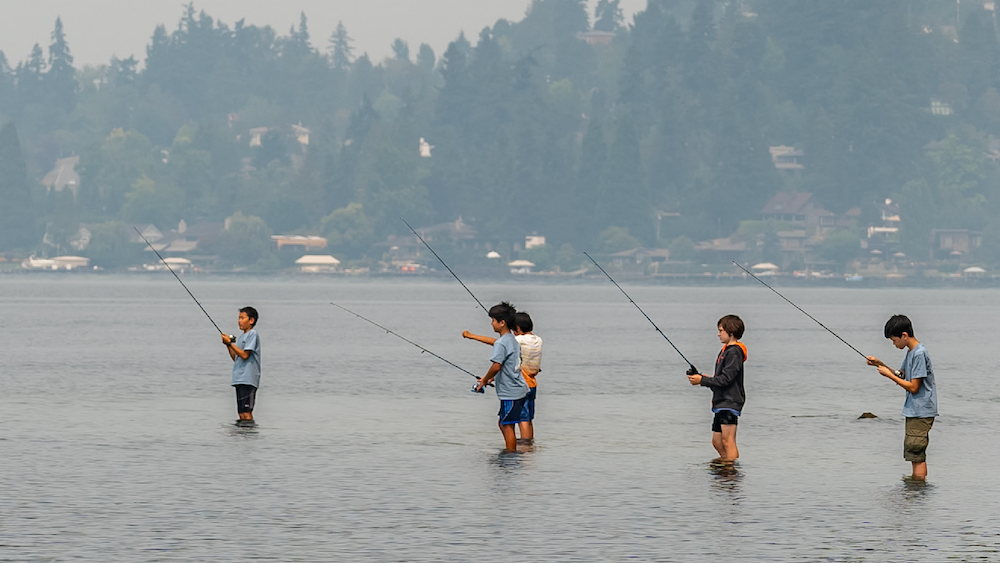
867 415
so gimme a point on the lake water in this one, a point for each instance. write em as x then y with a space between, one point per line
117 444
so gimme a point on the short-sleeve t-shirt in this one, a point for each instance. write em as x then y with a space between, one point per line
509 382
531 356
247 372
917 365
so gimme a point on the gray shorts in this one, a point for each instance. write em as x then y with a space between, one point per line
916 439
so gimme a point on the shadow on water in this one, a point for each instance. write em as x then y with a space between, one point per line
727 476
241 429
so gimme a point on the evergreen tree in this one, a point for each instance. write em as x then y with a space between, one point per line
60 79
340 48
607 15
17 211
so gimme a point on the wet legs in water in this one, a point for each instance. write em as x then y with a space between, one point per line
527 430
919 470
725 443
509 437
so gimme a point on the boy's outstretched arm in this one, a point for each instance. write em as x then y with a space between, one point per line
490 374
479 338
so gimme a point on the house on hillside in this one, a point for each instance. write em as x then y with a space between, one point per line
185 239
885 235
408 248
799 209
637 259
786 158
954 243
63 176
596 37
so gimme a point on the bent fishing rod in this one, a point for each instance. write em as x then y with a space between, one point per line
445 265
800 309
693 369
452 364
182 283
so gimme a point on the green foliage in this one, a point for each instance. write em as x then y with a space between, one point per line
348 231
246 241
110 245
541 256
533 129
682 248
840 246
17 210
152 202
616 239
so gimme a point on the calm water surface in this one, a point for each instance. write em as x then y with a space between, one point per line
117 444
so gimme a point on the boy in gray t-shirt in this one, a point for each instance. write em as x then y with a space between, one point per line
916 376
505 371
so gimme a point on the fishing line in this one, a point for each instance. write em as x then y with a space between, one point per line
800 309
445 265
182 283
406 340
640 310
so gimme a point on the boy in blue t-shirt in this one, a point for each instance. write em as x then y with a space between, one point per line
505 373
916 376
245 353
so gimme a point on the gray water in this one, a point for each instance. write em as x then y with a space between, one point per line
117 443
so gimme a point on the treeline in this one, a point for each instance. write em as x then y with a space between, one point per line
532 127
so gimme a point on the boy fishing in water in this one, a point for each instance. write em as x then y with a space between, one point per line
916 376
728 395
505 373
531 365
245 353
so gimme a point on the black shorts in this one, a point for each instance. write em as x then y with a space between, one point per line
724 417
246 395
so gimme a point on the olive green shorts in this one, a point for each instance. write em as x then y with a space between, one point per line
916 440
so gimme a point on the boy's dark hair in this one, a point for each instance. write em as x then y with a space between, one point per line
251 314
523 321
897 325
504 312
733 325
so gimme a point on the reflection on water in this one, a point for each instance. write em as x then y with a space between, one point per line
369 451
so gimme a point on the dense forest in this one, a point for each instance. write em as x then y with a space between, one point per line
578 126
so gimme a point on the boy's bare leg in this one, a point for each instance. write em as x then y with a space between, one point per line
717 444
509 437
246 415
729 450
919 470
527 430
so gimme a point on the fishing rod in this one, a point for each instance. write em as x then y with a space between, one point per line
445 265
800 309
182 283
693 369
408 341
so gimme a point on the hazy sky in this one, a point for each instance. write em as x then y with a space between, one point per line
98 29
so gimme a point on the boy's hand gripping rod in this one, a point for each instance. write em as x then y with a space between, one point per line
800 309
692 370
182 284
410 342
443 263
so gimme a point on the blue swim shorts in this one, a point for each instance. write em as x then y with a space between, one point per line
528 412
510 411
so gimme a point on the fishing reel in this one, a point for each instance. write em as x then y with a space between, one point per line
692 370
475 388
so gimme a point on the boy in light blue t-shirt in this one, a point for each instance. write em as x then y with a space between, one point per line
245 353
505 373
916 376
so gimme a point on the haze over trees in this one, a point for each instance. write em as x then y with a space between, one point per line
534 129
